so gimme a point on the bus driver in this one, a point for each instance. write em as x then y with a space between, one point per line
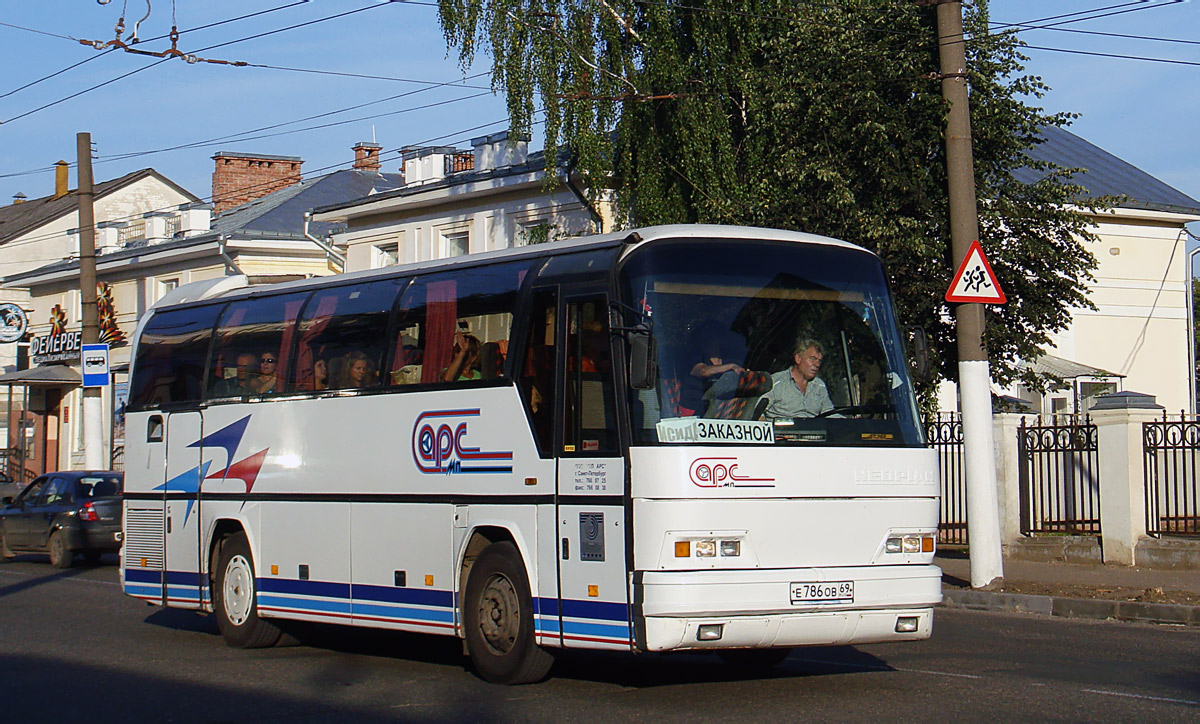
797 391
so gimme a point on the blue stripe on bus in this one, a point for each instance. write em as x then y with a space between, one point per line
304 588
134 590
596 629
391 594
402 612
185 578
142 575
305 603
597 610
189 593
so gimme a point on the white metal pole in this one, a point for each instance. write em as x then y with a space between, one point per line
1191 330
983 500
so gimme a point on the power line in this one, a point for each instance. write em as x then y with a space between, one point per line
201 50
39 32
89 59
1113 55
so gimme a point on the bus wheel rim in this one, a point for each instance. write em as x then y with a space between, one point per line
238 590
499 614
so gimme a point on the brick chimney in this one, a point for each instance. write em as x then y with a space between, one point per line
241 177
62 179
366 156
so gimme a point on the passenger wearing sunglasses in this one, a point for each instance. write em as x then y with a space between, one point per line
267 380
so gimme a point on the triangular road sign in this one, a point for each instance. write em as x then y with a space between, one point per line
975 281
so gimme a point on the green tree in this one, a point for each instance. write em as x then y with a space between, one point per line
823 117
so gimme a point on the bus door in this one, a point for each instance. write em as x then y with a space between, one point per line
593 589
181 509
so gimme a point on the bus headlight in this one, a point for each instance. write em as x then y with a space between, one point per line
910 543
705 548
731 548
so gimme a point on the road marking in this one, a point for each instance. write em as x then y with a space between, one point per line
1105 692
62 578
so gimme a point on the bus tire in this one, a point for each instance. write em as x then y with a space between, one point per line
754 660
60 555
235 598
498 615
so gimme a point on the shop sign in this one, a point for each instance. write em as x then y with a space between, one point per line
13 323
56 347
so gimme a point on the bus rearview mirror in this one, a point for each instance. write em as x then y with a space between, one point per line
918 344
643 360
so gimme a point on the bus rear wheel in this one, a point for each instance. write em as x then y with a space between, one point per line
498 615
235 598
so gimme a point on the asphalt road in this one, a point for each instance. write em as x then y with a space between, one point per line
73 648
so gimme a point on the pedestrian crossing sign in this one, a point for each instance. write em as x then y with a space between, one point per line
975 282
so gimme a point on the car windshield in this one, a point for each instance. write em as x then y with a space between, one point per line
790 344
98 487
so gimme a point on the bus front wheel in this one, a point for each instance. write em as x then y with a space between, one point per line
498 615
235 598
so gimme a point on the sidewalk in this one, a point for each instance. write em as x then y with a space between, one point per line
1078 590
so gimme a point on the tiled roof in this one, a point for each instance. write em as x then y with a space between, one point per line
1105 174
281 214
18 219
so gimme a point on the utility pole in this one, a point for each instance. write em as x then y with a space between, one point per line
974 378
93 436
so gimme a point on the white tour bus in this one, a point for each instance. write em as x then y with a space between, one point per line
580 444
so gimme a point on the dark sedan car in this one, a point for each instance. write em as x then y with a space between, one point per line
64 514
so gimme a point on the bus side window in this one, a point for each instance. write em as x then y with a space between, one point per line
169 368
342 336
454 327
253 346
536 376
590 410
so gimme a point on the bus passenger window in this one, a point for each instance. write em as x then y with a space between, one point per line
342 336
169 368
537 369
454 327
253 346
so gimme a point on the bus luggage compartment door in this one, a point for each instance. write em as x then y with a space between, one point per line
181 507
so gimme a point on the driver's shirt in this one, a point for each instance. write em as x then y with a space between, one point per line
786 400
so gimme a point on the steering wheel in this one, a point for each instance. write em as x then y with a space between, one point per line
857 410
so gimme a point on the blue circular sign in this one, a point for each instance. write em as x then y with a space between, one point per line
13 322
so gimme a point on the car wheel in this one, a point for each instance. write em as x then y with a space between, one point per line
498 614
754 661
60 555
235 598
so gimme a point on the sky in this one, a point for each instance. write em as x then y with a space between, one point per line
1143 111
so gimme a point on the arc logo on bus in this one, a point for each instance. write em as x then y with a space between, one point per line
440 447
723 472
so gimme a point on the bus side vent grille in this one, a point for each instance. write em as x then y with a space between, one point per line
144 538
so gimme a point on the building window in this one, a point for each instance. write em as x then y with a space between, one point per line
165 286
386 255
457 244
535 232
172 226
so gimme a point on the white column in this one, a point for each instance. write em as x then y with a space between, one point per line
93 436
1119 419
1005 428
983 506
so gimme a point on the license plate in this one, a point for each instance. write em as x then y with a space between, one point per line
824 592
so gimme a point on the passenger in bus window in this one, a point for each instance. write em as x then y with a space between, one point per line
357 371
243 380
797 391
320 374
464 360
267 381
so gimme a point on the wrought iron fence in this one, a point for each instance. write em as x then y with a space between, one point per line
1171 451
1060 475
117 462
945 434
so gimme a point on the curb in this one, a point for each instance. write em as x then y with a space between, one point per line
1169 613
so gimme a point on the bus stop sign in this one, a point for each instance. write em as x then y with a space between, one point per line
95 365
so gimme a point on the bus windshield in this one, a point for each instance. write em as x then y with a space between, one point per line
786 343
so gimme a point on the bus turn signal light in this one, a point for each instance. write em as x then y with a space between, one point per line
683 549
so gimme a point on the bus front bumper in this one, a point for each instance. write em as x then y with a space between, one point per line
765 608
